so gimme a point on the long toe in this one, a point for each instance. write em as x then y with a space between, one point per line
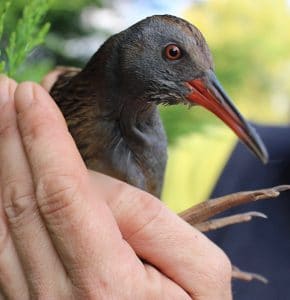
226 221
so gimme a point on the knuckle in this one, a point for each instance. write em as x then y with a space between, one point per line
56 193
18 203
135 202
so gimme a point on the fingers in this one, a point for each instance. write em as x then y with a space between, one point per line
28 231
167 242
10 267
63 192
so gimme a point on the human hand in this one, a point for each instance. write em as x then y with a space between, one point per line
69 233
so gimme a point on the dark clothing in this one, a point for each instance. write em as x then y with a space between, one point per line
260 246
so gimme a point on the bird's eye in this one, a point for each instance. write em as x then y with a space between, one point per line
173 52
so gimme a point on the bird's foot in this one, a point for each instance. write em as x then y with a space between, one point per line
203 211
246 276
199 215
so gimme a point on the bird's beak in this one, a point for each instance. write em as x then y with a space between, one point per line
208 92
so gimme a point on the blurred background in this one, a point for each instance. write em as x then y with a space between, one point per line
250 42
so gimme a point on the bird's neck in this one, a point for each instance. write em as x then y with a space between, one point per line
117 132
113 101
130 139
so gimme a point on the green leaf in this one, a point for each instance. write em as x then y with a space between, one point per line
3 11
28 34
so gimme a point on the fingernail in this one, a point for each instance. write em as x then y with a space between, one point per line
24 96
4 89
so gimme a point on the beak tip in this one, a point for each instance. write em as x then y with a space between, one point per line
259 149
260 152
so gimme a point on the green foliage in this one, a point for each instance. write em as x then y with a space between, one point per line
64 18
3 11
28 33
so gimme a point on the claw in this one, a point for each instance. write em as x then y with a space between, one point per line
246 276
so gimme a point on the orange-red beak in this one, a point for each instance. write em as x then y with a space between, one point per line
208 92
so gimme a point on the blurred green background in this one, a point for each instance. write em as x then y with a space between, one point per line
250 42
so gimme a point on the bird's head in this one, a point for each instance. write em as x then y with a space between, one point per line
165 59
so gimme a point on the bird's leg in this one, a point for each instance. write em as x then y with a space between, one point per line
222 222
203 211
